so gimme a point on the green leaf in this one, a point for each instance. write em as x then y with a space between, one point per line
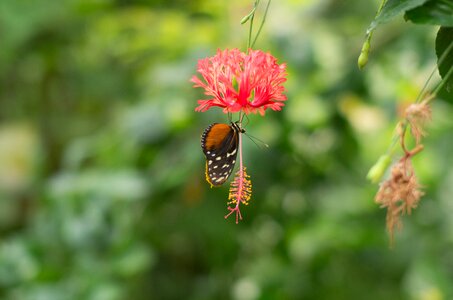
444 41
393 8
388 10
437 12
444 95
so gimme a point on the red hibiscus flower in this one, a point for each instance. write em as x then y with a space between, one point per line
249 82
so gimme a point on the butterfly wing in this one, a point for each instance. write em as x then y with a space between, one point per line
219 143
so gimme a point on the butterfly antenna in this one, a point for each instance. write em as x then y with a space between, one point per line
248 121
252 138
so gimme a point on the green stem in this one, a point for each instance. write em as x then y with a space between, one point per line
364 52
252 17
422 93
370 32
447 76
444 80
396 137
381 7
262 23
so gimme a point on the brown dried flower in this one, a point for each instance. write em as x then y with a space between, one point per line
399 194
417 115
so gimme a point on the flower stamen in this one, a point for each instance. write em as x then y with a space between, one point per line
241 82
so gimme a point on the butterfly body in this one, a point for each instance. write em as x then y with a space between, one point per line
220 146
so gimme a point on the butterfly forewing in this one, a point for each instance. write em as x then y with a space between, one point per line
219 143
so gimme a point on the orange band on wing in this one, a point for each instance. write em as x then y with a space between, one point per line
217 135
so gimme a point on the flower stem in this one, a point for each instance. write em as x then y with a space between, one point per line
422 93
396 137
262 23
240 186
364 52
444 80
250 17
381 6
241 183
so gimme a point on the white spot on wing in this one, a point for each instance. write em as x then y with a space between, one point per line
215 167
225 166
210 162
218 158
220 179
232 153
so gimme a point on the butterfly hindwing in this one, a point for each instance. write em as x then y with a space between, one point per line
219 143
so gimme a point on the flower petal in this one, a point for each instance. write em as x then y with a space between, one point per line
244 82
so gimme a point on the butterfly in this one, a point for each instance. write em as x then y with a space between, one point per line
220 146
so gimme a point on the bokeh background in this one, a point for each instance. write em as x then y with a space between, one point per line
102 190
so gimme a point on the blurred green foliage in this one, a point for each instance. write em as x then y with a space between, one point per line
102 176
